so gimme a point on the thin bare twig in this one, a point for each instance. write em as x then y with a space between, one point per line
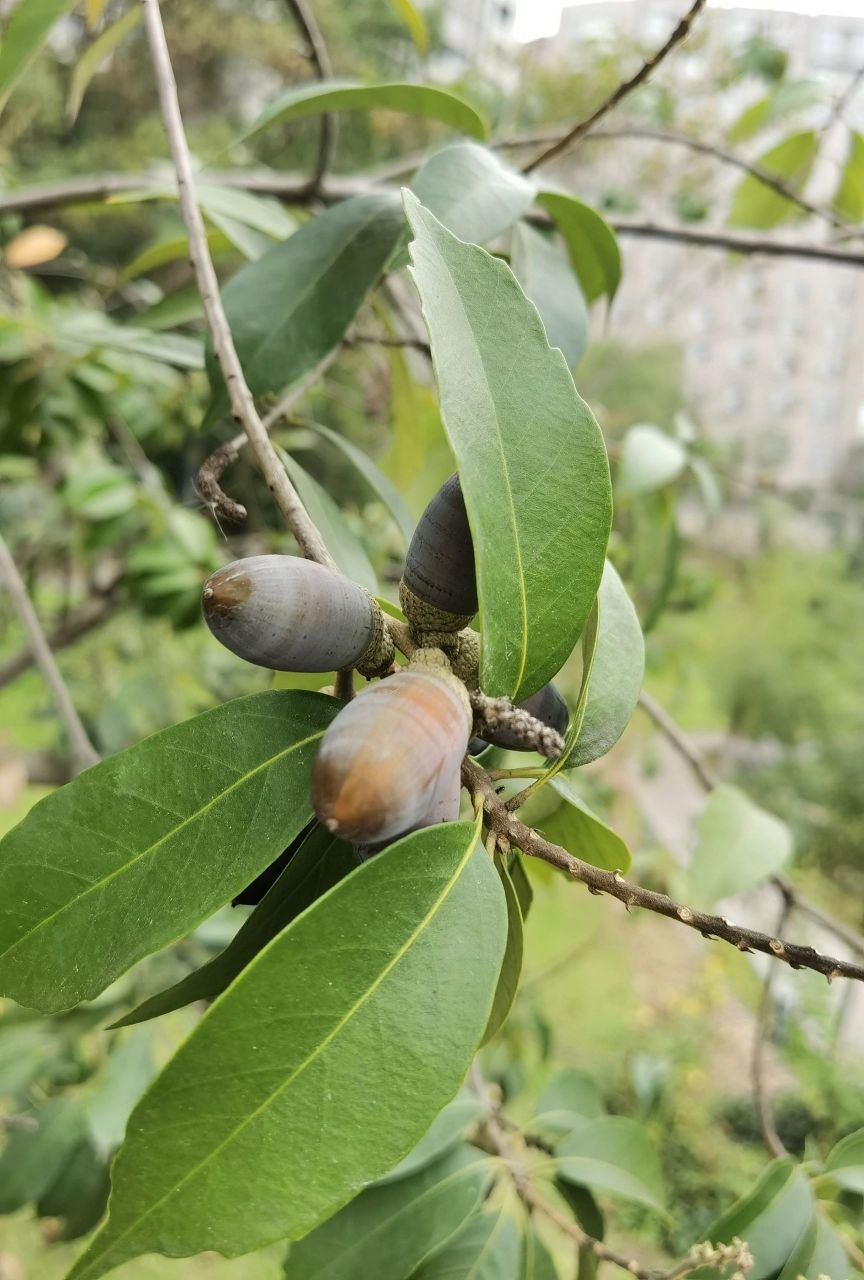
242 403
320 58
84 754
761 1101
89 614
507 826
383 340
619 93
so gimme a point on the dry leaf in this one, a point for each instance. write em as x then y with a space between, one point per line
34 246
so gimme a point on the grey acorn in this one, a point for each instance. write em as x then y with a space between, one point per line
439 585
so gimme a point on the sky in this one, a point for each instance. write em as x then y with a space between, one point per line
535 18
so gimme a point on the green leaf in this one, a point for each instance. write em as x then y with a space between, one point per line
170 348
32 1159
262 213
373 476
343 544
650 459
537 1262
292 306
166 250
511 965
445 1132
845 1162
616 1155
487 1248
126 1074
318 96
569 1099
818 1253
472 192
849 196
582 833
203 806
321 1065
615 676
531 459
739 846
542 272
591 244
521 883
319 863
251 243
93 57
387 1232
754 204
770 1218
414 21
788 97
587 1213
24 35
79 1193
419 459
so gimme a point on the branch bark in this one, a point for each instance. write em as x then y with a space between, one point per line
619 93
305 20
242 403
84 754
511 831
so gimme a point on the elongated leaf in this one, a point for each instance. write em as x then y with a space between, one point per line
126 1074
293 1069
845 1163
319 96
414 21
537 1262
32 1159
262 213
615 675
849 196
649 459
292 306
319 863
487 1248
24 35
387 1232
521 883
202 807
542 272
170 348
79 1193
374 477
788 97
511 965
770 1218
616 1155
445 1132
251 243
167 250
472 191
93 57
419 459
569 1099
754 204
818 1253
531 458
582 833
344 545
591 244
739 846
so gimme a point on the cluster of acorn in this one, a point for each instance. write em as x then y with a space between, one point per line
389 763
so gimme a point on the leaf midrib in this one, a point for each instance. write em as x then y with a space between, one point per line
192 817
311 1057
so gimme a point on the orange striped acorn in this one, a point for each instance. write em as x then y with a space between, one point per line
288 614
393 754
444 808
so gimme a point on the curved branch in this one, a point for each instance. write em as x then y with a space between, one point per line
320 58
619 93
242 403
509 829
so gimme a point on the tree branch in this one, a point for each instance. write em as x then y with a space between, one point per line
305 20
619 93
84 754
513 832
91 613
761 1101
679 739
242 403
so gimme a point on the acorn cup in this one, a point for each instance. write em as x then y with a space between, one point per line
391 758
438 591
290 614
546 705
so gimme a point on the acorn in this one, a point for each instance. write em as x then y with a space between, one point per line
291 614
444 808
438 591
546 705
385 758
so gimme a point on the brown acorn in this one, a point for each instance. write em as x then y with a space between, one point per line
391 754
